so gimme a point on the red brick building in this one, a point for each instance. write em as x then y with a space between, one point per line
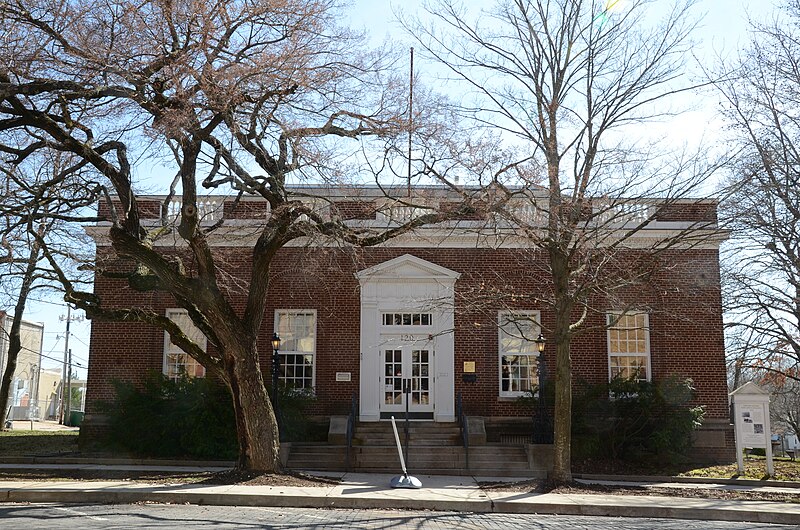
454 309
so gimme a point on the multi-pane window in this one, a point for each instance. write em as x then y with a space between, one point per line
298 333
178 363
518 353
407 319
629 346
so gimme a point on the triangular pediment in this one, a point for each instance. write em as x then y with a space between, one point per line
751 389
407 267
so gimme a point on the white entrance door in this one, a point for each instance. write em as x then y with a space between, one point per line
407 374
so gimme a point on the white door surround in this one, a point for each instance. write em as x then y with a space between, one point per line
407 338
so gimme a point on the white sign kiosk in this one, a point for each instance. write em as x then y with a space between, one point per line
751 421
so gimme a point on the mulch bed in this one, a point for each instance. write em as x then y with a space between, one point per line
246 478
576 488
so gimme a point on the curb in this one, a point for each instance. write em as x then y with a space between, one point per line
753 515
748 511
241 499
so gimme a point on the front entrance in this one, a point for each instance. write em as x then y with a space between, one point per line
407 378
406 338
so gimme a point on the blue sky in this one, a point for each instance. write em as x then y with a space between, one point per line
723 29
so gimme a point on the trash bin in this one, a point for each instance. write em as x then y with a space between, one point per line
75 418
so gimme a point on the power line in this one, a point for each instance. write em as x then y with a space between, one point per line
60 361
79 339
62 304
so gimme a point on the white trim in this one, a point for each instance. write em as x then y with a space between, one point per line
462 234
407 284
391 271
290 352
521 313
646 353
168 342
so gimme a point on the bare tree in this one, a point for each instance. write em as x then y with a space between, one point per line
762 267
27 276
240 97
38 198
785 404
558 93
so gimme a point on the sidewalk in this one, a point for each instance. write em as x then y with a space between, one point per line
39 425
439 492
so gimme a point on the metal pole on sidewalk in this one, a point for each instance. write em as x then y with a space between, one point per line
64 390
67 419
407 391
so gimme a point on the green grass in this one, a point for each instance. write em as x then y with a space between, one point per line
754 468
37 443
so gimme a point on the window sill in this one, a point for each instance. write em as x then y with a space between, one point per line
507 399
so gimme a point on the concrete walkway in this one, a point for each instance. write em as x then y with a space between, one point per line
439 492
40 425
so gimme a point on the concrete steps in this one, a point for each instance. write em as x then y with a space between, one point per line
434 449
485 460
317 456
420 434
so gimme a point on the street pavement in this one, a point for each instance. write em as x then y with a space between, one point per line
372 491
182 516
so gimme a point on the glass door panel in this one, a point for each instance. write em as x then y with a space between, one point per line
411 366
393 377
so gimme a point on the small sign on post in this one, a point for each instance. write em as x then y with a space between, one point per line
751 423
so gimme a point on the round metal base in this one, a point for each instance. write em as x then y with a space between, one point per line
405 481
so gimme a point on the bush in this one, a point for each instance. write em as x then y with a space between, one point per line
188 417
635 419
165 418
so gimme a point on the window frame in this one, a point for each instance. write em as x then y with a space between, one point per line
646 354
536 316
168 345
283 353
411 313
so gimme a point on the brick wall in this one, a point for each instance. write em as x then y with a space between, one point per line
681 295
683 300
689 211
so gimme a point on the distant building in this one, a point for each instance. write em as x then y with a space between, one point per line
24 392
49 393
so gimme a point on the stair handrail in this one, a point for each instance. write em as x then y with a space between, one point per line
351 428
463 424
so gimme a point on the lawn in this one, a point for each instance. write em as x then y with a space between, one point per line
37 443
754 468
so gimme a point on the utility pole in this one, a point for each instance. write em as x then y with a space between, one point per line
69 388
64 390
66 373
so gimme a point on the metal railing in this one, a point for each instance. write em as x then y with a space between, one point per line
462 422
351 429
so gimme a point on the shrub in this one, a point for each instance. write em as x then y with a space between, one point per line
188 417
629 418
165 418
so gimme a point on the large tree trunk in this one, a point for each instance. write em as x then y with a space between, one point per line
562 427
256 425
